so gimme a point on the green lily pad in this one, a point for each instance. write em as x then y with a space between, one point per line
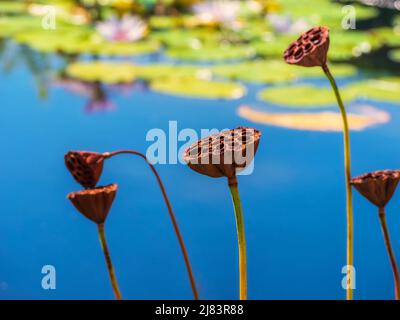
160 71
187 38
325 12
304 96
164 22
214 53
106 72
272 46
351 43
388 36
124 49
12 25
395 55
81 40
272 71
12 7
383 89
193 87
308 96
338 70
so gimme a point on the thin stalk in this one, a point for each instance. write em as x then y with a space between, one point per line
171 214
111 272
392 258
233 187
349 205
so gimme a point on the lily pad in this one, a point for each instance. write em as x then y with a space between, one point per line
193 87
395 55
388 36
272 46
349 44
326 12
164 22
12 25
257 71
106 72
326 121
272 71
213 53
12 7
161 71
304 96
81 40
383 89
187 38
308 96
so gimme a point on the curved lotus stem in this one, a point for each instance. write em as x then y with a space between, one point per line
233 187
110 268
171 214
349 205
385 231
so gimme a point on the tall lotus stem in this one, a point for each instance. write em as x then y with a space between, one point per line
349 205
107 256
233 187
311 50
392 258
171 214
95 204
223 155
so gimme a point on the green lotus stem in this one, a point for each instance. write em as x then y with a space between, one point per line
111 272
349 205
171 214
392 258
233 187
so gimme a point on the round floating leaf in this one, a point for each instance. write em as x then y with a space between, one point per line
184 38
164 22
193 87
272 71
257 71
105 72
214 53
395 55
349 44
304 96
388 36
12 25
160 71
12 7
272 46
383 89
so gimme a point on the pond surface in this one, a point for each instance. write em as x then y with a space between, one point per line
294 202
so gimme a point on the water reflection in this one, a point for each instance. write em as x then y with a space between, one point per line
360 118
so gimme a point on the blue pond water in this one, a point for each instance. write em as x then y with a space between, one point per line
294 203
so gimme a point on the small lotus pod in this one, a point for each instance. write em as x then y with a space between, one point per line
85 166
378 186
310 49
223 154
95 203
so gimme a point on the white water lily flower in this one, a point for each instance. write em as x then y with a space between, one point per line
224 12
128 29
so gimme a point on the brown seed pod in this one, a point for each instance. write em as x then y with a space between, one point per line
96 203
86 167
310 49
223 154
378 186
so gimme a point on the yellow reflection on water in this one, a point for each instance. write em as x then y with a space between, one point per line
328 121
